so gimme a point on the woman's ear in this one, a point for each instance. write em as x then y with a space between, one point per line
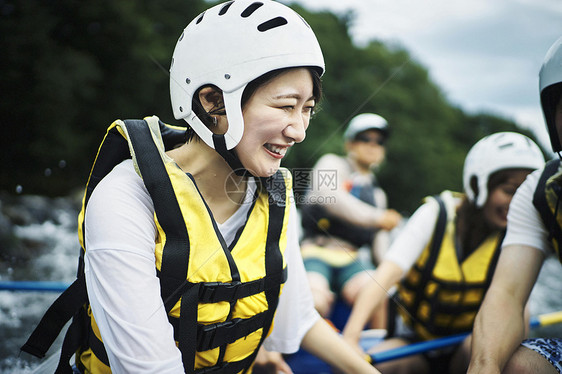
210 98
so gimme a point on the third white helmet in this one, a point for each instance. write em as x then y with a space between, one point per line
550 76
499 151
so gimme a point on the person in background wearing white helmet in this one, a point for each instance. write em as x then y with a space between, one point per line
533 232
188 245
444 257
349 212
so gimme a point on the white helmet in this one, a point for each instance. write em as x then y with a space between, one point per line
365 121
499 151
550 75
228 46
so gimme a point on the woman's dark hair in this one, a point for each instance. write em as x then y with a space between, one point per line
250 89
203 115
471 225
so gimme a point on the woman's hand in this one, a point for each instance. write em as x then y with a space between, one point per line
389 220
353 341
270 363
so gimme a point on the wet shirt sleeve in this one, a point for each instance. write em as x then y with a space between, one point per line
123 288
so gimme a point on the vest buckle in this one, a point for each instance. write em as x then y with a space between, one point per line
212 292
216 331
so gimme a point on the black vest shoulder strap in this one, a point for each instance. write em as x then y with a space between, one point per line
434 249
548 216
277 191
59 313
166 207
539 197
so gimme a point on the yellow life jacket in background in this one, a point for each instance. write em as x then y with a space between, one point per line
546 200
441 295
220 299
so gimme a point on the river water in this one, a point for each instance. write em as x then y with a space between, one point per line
38 241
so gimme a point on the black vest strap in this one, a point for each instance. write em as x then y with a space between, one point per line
227 367
97 347
67 305
175 257
157 182
541 204
273 256
438 234
539 197
186 331
213 292
217 334
171 137
73 339
229 156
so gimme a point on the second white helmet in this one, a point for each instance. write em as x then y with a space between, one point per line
499 151
228 46
550 80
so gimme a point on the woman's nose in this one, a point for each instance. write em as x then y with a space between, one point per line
296 129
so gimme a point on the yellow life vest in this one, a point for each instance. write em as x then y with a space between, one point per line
220 299
441 295
546 200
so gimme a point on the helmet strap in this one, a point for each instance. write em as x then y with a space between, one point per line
229 156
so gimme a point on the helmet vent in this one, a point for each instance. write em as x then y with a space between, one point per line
200 18
250 9
225 7
272 23
507 145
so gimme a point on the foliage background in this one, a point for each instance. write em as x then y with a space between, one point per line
70 68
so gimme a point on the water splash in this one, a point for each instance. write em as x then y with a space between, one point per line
44 235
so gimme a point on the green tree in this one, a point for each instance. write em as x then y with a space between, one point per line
70 68
430 137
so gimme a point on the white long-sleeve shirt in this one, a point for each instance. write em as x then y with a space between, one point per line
524 224
124 291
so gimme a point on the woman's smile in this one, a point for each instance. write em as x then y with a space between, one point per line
276 151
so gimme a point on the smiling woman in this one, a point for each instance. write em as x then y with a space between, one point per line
182 275
444 258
